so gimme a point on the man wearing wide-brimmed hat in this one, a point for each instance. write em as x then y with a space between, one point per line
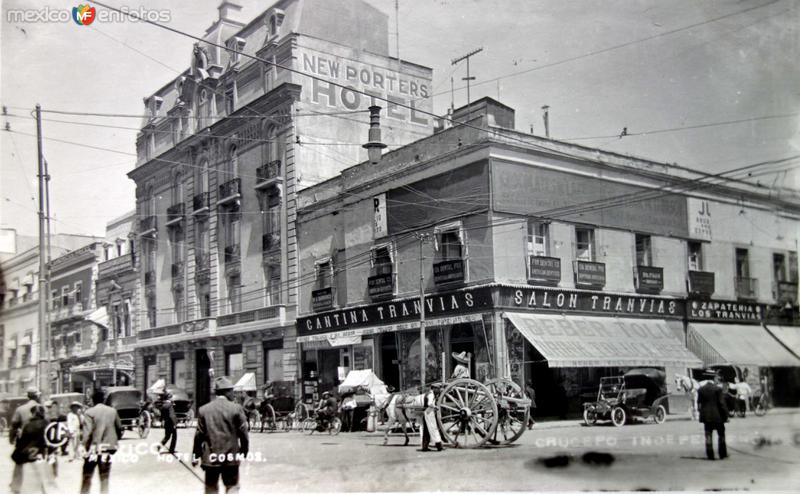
461 371
221 438
169 420
713 415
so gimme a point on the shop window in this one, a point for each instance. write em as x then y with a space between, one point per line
644 250
234 362
584 244
178 371
695 256
538 238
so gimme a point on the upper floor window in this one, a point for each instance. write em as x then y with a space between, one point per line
449 242
324 273
78 292
230 99
382 260
201 178
235 292
644 251
695 256
65 296
538 238
584 244
742 263
779 267
177 189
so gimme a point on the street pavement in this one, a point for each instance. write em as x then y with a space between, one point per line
644 456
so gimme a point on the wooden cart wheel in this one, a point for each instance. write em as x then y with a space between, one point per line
309 425
512 416
268 419
467 414
589 416
618 416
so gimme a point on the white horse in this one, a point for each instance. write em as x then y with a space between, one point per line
401 409
690 387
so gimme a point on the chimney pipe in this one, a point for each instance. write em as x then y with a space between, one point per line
546 118
374 144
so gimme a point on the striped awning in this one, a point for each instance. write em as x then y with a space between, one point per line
738 344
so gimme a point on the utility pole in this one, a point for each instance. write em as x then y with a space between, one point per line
397 29
468 78
42 369
423 355
48 277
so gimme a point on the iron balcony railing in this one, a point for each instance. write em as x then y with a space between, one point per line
268 172
229 189
232 253
200 201
270 241
746 288
175 213
147 224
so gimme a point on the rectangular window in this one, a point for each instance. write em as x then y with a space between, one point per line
231 232
234 362
54 300
273 365
695 256
779 267
204 299
78 293
151 310
584 244
325 274
793 266
229 100
450 245
180 306
382 260
202 245
273 278
65 296
116 320
126 319
644 250
235 293
538 238
742 263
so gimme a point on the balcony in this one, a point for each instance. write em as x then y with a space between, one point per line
66 312
268 174
114 266
200 203
232 254
175 214
270 242
148 226
177 269
150 277
230 191
786 292
746 288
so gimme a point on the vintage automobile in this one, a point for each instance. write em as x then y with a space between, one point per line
128 403
182 404
639 393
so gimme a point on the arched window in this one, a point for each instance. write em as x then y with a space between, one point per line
271 144
273 26
233 163
201 177
177 189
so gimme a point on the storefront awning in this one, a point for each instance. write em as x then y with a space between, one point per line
575 341
738 344
99 317
788 335
246 383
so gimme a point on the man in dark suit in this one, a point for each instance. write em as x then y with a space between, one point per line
713 415
221 440
169 420
102 431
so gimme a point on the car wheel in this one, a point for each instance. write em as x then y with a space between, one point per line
618 416
589 416
661 414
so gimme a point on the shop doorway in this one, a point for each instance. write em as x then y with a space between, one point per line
785 386
328 362
462 339
390 369
202 379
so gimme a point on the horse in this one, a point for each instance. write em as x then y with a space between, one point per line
690 386
401 409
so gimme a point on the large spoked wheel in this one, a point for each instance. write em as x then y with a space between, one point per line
618 416
467 414
335 426
309 425
144 424
589 416
660 416
512 415
268 420
301 413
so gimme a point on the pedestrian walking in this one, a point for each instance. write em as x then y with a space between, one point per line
74 428
461 371
713 415
29 446
170 422
22 415
743 393
347 409
221 439
101 434
531 394
430 429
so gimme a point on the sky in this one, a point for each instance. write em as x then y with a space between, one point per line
601 67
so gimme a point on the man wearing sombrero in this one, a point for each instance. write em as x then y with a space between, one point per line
461 370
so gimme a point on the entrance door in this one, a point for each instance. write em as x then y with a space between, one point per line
328 369
203 387
390 370
462 339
